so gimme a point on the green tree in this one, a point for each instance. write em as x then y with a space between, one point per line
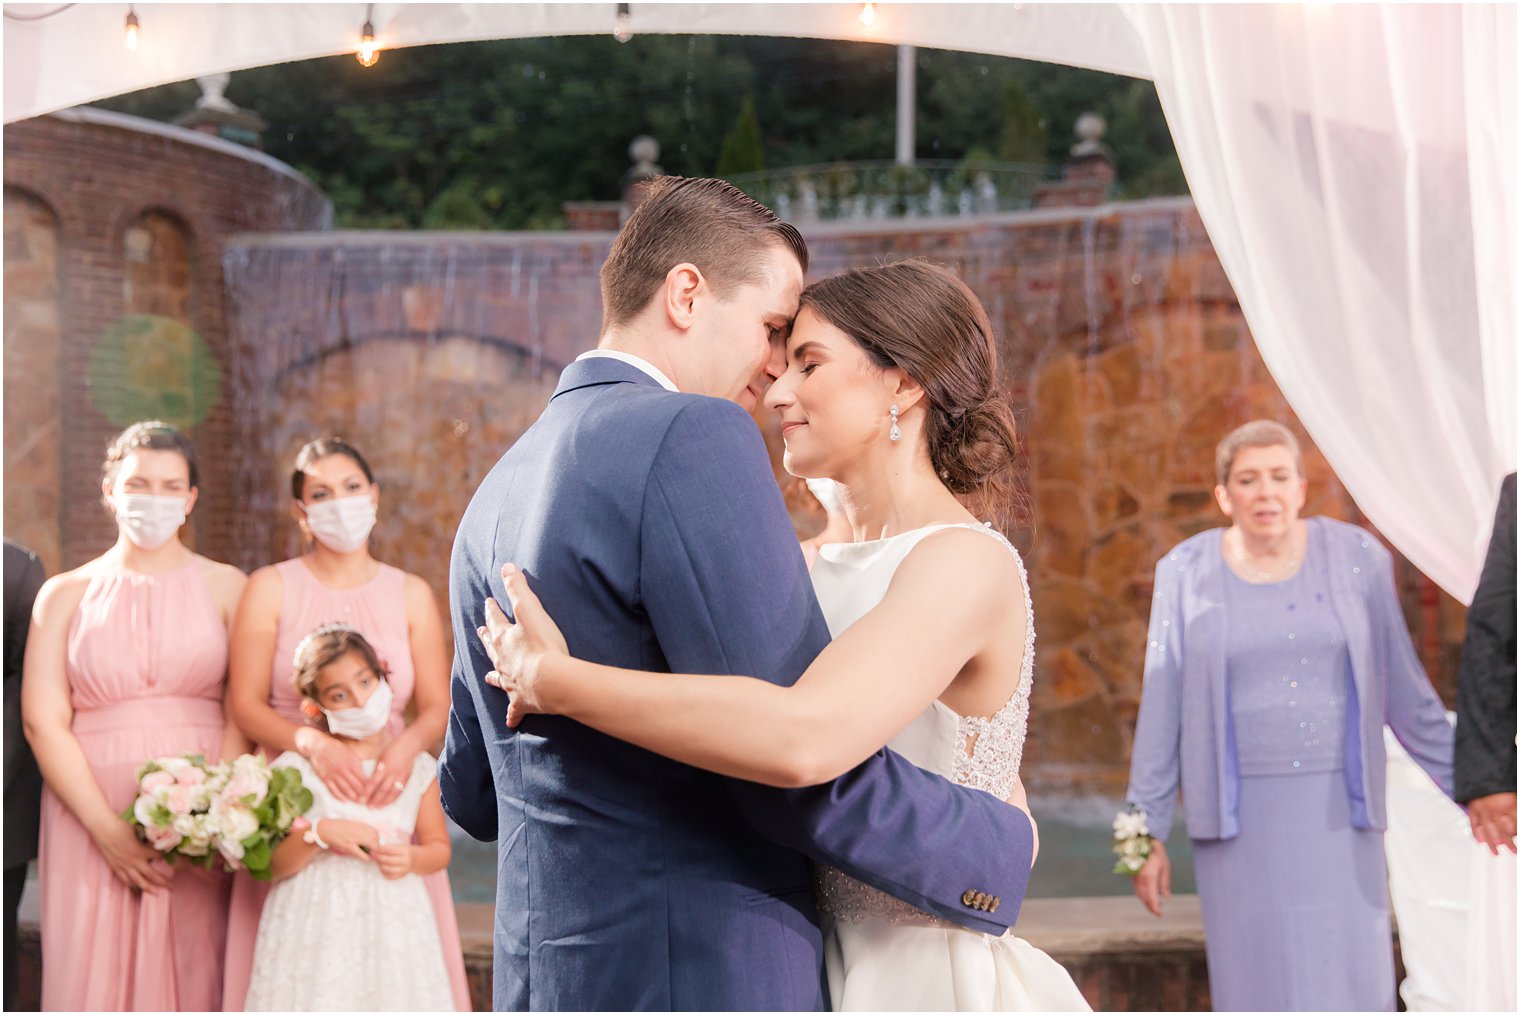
1023 137
500 134
743 149
458 207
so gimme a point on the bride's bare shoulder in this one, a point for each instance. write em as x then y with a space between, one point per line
970 559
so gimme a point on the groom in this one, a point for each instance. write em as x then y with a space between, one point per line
643 507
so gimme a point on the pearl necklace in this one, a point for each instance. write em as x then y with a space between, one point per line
1260 577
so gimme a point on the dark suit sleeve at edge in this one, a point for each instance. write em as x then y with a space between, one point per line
465 779
1485 745
725 586
24 577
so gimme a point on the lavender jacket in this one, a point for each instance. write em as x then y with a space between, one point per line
1185 736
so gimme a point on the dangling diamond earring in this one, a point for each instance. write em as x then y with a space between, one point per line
896 432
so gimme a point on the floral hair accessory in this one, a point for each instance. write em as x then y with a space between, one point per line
337 627
1132 840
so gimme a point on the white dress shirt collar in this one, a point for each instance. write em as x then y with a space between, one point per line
633 361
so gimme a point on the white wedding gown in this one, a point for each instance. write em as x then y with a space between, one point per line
340 936
882 954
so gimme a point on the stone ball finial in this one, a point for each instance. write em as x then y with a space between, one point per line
212 88
643 150
214 114
1090 128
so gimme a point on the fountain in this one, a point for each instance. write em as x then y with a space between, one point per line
1121 341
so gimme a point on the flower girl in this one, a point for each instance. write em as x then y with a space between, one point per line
348 924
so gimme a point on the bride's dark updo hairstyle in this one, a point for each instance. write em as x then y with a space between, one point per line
919 317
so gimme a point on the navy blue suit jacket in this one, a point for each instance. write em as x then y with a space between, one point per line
650 525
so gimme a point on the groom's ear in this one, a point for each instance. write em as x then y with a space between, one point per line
678 296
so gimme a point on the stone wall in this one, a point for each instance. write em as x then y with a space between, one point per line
430 352
114 228
1125 348
152 271
1122 343
1120 958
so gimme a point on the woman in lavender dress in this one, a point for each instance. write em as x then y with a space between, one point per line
1277 652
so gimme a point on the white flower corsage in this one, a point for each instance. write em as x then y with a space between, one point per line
1132 840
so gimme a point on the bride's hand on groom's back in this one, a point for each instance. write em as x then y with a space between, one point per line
1020 798
517 650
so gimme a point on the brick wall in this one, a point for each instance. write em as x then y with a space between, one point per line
1123 344
33 377
1121 340
430 352
1120 961
136 214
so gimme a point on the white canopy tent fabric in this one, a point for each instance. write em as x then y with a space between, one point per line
1355 167
77 55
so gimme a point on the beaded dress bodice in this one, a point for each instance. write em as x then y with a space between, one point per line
983 752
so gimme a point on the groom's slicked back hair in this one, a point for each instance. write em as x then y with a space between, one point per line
709 223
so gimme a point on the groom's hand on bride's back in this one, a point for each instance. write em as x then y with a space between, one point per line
1020 798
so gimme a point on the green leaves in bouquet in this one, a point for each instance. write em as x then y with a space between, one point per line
257 854
286 800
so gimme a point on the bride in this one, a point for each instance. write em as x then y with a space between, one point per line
891 390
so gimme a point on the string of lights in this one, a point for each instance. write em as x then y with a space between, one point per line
368 50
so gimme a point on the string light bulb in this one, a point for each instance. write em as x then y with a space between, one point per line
133 27
368 52
621 30
868 14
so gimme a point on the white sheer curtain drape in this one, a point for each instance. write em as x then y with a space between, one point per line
1355 167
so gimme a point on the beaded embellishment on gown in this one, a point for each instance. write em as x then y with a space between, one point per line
883 953
994 746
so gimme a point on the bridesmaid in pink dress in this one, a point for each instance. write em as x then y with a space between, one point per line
337 580
126 661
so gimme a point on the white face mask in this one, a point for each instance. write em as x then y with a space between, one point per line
149 521
366 720
343 524
824 490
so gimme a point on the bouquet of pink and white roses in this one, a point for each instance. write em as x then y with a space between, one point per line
237 810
